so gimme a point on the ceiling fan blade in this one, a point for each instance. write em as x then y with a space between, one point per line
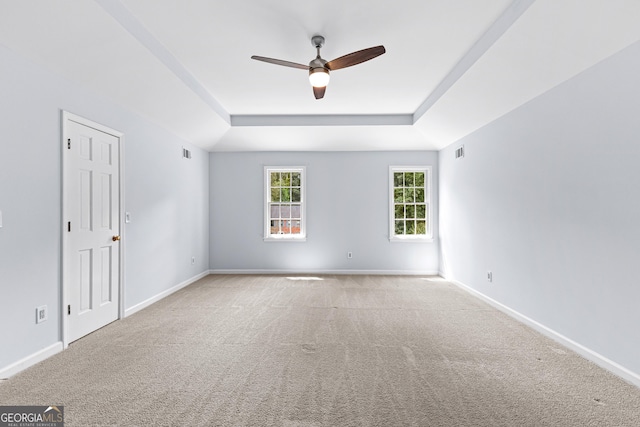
318 92
355 58
280 62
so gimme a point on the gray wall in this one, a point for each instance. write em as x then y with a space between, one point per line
547 198
167 196
347 210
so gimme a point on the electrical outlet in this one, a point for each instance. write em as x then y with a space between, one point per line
489 276
41 314
349 254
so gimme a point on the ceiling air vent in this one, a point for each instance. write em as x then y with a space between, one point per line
186 153
460 152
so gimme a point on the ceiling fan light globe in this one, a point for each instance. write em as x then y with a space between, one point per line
319 77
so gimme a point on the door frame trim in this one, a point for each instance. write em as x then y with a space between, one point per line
65 292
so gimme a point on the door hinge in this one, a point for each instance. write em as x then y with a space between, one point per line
69 144
69 309
69 226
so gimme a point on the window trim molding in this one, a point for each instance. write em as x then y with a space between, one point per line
417 238
267 237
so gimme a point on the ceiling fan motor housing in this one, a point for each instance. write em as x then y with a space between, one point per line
318 72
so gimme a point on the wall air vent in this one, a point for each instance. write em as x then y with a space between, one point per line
460 152
186 153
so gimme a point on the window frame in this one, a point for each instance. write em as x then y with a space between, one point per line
267 235
428 188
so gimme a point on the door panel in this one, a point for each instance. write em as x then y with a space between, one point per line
84 280
92 204
106 281
86 190
105 202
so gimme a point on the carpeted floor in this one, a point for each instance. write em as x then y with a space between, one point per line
341 351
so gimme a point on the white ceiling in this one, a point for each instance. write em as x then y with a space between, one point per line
451 66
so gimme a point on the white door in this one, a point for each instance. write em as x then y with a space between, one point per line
92 215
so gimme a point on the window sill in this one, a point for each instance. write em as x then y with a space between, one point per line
413 239
285 239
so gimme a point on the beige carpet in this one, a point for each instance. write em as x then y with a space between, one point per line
342 351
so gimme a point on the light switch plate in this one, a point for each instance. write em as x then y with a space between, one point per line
127 217
0 219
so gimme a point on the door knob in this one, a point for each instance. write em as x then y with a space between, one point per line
115 238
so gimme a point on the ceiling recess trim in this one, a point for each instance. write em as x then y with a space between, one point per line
323 120
129 22
482 45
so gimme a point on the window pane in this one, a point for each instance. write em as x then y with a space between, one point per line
410 211
408 195
295 211
398 179
397 195
284 186
409 179
410 207
399 212
275 211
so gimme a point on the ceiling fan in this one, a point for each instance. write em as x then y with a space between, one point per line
319 68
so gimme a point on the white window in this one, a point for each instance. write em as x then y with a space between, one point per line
284 195
410 203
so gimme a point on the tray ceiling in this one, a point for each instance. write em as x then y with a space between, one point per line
451 66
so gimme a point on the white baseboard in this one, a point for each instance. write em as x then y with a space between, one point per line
330 272
583 351
146 303
53 349
30 360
